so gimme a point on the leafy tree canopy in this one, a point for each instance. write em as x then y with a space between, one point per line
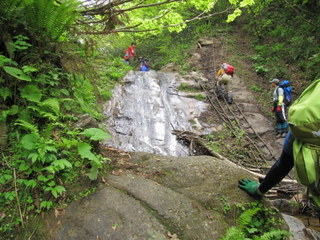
105 17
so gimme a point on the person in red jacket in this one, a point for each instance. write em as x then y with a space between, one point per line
130 53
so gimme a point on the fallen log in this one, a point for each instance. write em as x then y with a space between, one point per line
194 138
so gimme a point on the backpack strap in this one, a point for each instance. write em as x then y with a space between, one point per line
306 162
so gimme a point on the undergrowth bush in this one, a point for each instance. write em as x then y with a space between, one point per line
286 34
40 105
256 222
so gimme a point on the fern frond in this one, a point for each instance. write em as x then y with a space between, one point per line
246 217
51 18
10 9
43 112
275 234
53 104
27 125
233 233
67 12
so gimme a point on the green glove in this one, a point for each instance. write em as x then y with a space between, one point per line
251 187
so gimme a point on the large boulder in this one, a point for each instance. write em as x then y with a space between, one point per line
158 197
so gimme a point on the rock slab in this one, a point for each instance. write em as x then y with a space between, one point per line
163 197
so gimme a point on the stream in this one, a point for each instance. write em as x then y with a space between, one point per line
145 111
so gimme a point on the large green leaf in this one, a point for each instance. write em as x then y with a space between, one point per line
13 110
62 164
96 134
32 93
93 174
17 73
29 141
84 150
57 190
42 178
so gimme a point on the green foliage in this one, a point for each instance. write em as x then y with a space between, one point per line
236 137
256 88
287 34
83 193
184 87
45 17
167 47
95 134
31 93
84 94
200 97
16 73
226 205
257 222
260 69
40 102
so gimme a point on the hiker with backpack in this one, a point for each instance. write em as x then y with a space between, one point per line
279 108
130 53
277 172
224 77
300 150
144 64
285 85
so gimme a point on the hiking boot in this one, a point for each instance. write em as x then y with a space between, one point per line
279 133
219 92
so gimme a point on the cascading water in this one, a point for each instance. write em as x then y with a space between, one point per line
144 112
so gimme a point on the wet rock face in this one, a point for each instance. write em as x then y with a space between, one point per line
146 110
163 196
299 230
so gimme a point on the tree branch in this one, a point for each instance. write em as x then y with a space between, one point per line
129 28
147 5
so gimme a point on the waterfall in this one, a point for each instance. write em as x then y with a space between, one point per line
145 110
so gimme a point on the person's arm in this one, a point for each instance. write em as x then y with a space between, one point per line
278 171
219 73
280 96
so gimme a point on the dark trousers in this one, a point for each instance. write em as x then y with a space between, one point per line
281 167
281 120
280 116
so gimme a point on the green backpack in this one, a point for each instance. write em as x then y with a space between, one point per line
304 123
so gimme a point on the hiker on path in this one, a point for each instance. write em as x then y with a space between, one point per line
144 64
130 53
277 172
224 77
279 108
300 148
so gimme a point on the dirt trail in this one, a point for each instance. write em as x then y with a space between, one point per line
208 57
262 147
